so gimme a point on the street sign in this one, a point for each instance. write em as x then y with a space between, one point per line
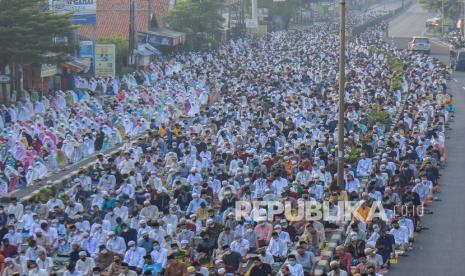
84 10
86 49
48 70
5 78
251 23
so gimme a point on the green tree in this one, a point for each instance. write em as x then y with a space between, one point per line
199 18
121 51
27 29
451 7
284 9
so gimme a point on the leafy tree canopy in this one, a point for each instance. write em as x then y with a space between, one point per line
285 9
451 7
196 16
27 29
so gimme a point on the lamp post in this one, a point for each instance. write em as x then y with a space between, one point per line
342 61
443 17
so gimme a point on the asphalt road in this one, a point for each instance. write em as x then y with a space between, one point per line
440 249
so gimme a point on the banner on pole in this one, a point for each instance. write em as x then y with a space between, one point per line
251 23
84 10
105 60
85 49
48 70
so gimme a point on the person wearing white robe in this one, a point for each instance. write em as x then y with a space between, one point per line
39 107
149 211
16 208
98 233
23 113
121 211
30 176
68 147
107 181
134 256
90 244
13 113
51 203
41 170
126 189
27 220
116 244
3 187
364 166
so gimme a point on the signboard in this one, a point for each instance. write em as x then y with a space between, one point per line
84 10
85 49
262 30
251 23
105 60
262 12
47 70
159 40
5 78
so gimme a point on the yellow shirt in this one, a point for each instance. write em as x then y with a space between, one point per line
177 131
162 132
363 211
202 214
288 167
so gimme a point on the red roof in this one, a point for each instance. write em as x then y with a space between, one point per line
113 17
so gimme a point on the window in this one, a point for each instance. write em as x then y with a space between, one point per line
422 40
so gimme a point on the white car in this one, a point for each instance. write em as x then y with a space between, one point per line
419 44
433 22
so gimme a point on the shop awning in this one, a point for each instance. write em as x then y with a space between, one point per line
147 50
164 37
75 66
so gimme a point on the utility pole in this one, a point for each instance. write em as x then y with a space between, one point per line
443 17
133 32
462 15
254 9
342 63
150 13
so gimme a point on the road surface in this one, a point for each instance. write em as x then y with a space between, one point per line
439 250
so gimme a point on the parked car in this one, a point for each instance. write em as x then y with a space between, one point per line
433 22
419 44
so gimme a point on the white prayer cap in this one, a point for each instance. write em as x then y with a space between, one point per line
218 261
334 264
